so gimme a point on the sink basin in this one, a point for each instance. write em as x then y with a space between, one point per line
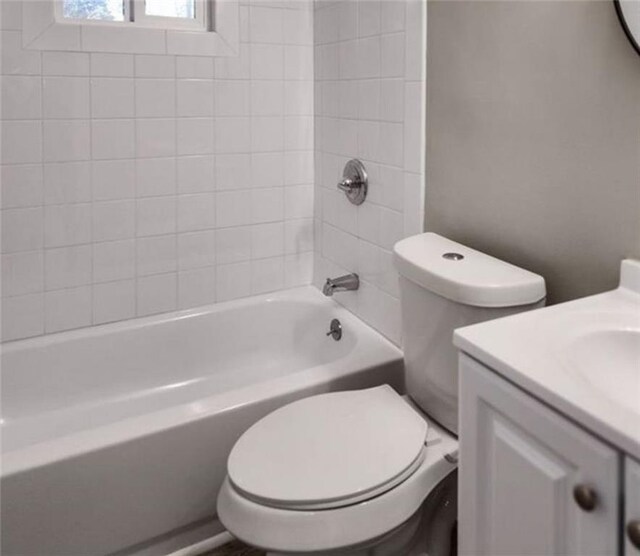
581 357
610 361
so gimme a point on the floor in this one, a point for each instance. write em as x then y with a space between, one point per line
235 548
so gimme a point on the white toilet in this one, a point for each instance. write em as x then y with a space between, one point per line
370 472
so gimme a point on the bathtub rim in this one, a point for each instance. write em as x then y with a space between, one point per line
380 352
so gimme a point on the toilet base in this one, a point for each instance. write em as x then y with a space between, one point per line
428 532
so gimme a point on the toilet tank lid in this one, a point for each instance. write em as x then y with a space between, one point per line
465 275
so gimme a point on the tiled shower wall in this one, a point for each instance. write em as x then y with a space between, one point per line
134 185
369 104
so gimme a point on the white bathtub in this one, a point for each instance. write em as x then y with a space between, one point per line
119 434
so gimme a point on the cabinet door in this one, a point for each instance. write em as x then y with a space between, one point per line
631 507
520 462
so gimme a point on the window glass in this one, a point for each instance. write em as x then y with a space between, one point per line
108 10
171 8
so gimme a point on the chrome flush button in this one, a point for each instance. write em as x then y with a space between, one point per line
453 256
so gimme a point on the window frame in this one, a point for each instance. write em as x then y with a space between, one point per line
215 33
134 15
138 16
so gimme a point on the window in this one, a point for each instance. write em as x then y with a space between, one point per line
168 14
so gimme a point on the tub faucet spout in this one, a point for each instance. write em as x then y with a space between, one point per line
348 282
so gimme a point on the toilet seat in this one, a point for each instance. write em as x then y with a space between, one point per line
329 451
289 530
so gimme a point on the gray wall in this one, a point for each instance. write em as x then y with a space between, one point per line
533 137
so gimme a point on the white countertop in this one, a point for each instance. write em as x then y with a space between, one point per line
546 352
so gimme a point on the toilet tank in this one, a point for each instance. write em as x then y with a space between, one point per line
443 286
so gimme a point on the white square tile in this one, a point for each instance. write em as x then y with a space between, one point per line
391 228
413 203
298 168
267 205
391 144
267 240
156 255
156 216
267 275
155 66
267 169
68 266
267 134
266 25
66 140
113 179
196 212
157 294
415 26
267 98
267 61
298 235
155 176
14 60
388 279
369 56
392 55
22 186
233 281
113 220
233 171
392 100
112 98
67 225
196 174
195 136
349 98
392 184
413 127
155 138
194 67
113 260
233 245
298 26
369 21
66 97
114 301
233 208
369 222
21 97
195 97
298 270
233 135
112 139
298 201
11 16
155 98
392 16
22 273
22 316
298 63
21 142
68 309
111 65
234 67
232 98
196 249
298 98
196 287
298 133
67 182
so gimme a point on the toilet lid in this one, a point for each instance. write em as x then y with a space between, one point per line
329 450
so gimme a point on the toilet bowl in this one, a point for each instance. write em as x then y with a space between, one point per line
371 472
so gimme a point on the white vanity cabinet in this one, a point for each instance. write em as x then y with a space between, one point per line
532 482
632 507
